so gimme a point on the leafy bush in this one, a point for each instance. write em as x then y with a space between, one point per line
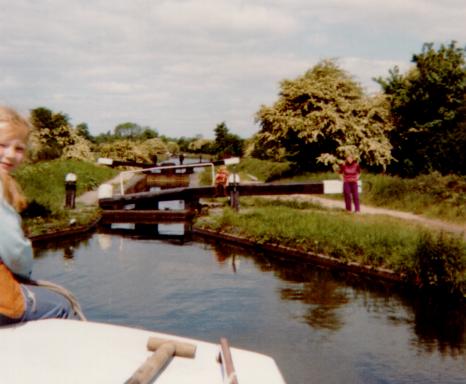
264 170
440 264
431 195
130 150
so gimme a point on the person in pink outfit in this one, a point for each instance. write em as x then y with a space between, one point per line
350 172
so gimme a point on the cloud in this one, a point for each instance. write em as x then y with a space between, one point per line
226 16
183 66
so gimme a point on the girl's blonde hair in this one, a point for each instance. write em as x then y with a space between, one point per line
13 125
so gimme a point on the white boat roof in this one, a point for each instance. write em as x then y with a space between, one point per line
76 352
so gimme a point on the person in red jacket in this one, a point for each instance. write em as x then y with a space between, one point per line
350 172
221 181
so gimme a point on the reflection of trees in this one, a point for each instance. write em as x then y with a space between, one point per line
436 323
322 294
323 297
439 324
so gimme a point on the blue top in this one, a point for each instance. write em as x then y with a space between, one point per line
15 248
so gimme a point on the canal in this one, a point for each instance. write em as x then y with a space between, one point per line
320 327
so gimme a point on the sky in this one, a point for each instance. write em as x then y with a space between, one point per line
182 67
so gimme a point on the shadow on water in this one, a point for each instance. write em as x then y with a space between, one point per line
439 324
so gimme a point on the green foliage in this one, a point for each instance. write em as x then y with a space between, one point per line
428 106
431 195
440 264
44 182
264 170
130 150
200 145
172 147
53 137
50 135
226 144
129 131
82 130
319 117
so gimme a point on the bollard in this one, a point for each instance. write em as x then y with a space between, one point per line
233 182
70 190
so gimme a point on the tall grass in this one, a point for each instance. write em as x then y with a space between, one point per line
431 195
264 170
44 183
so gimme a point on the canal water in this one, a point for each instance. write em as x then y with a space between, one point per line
319 327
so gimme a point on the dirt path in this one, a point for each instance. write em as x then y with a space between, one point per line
91 197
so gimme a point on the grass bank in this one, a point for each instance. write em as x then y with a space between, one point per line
429 259
433 195
44 186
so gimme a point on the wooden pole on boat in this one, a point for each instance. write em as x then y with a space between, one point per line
164 352
227 362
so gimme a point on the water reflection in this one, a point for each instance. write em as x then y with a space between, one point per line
320 326
438 325
66 244
226 255
323 298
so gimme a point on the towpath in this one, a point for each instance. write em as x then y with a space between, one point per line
91 197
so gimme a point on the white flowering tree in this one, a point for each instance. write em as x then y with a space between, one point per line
319 117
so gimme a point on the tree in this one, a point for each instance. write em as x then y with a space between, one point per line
200 145
226 144
319 117
51 133
82 130
428 108
127 131
130 150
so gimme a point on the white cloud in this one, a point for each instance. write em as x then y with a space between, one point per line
213 15
183 66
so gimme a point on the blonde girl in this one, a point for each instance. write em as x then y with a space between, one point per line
19 301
